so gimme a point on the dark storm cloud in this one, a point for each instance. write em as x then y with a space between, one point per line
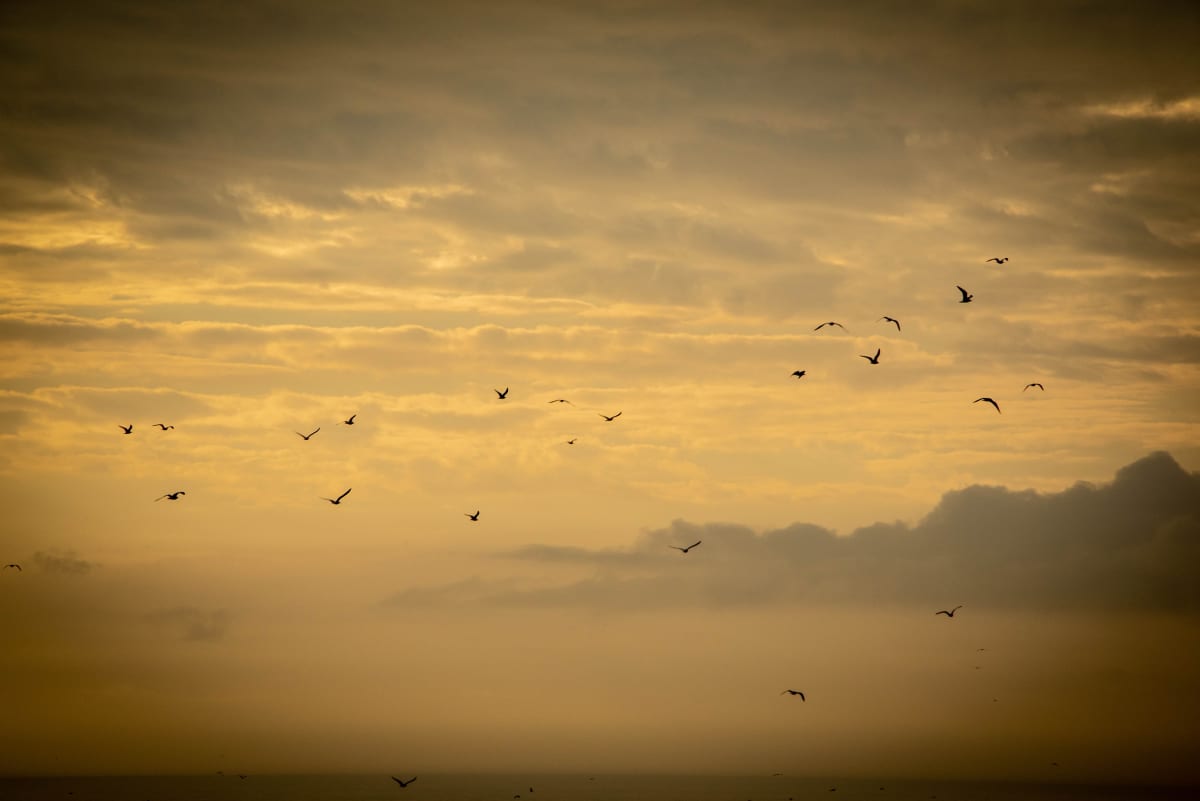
1131 544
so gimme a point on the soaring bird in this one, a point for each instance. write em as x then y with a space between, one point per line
127 429
164 427
171 496
794 692
998 259
610 419
472 516
685 550
561 400
403 783
891 320
799 373
572 440
831 322
967 297
872 359
307 437
338 499
14 564
350 420
1034 384
501 395
948 612
988 400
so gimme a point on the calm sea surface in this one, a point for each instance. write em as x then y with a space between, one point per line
553 788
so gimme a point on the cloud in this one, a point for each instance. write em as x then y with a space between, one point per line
194 625
1132 544
56 561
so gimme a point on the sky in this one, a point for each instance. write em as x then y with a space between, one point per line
246 222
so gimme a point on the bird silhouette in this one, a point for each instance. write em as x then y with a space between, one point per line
988 400
831 322
127 429
164 427
307 437
350 420
872 359
572 440
1034 384
800 373
338 499
14 564
403 783
948 612
685 550
561 400
967 297
794 692
998 259
501 395
171 496
891 320
610 419
472 516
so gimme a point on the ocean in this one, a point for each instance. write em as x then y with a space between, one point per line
435 787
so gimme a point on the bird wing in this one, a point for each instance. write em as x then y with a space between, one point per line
964 292
694 544
819 327
344 494
615 416
160 498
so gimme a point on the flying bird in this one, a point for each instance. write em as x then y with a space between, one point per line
501 395
338 499
872 359
948 612
350 420
164 427
967 297
794 692
572 440
403 783
171 496
1034 384
307 437
127 429
891 320
998 259
14 564
561 400
685 550
988 400
610 419
799 373
472 516
831 322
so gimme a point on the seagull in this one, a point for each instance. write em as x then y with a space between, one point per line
967 297
571 441
171 496
831 322
948 612
561 400
472 516
794 692
685 550
14 564
610 419
501 395
998 260
872 359
127 429
338 499
350 421
307 437
799 373
403 783
891 320
1034 384
988 400
164 427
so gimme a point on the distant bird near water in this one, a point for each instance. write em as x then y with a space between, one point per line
164 427
127 429
350 420
307 437
967 297
338 499
501 395
171 496
794 692
831 322
988 400
998 259
948 612
14 564
800 373
473 516
1034 384
403 783
609 419
685 550
872 359
891 320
